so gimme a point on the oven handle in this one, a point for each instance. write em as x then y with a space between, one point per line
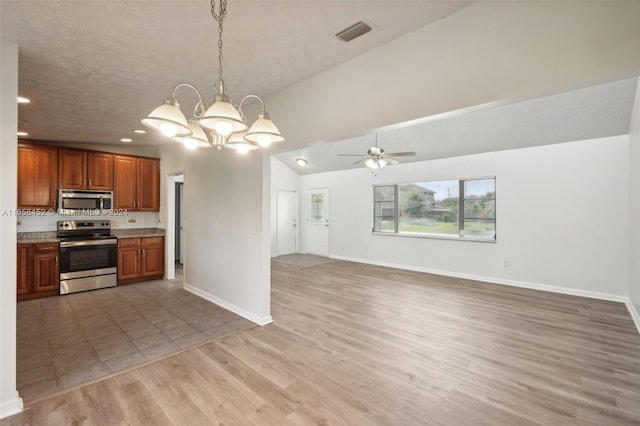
88 243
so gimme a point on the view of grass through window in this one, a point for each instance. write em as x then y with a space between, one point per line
434 208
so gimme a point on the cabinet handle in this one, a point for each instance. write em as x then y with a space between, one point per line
55 203
56 260
89 182
138 251
85 182
143 253
46 248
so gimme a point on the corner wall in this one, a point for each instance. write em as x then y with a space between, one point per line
10 402
562 215
634 210
226 225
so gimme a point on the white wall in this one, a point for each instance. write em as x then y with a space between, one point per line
282 177
634 209
10 403
226 223
562 214
489 51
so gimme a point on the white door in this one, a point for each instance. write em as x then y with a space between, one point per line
318 221
287 213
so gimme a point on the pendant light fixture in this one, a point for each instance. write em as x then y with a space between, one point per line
225 122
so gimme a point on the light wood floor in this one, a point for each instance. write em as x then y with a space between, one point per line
358 345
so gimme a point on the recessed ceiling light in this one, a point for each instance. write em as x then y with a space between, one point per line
139 131
23 100
23 134
301 162
126 140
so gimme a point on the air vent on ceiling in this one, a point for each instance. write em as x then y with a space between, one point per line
353 31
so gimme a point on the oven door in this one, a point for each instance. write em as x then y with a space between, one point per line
88 257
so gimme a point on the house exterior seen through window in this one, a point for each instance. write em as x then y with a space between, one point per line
461 208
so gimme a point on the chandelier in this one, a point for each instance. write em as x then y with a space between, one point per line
222 121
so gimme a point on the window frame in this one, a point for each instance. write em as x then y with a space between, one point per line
462 235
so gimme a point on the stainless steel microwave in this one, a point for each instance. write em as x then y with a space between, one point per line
75 201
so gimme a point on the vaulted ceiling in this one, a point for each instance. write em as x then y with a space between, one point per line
94 69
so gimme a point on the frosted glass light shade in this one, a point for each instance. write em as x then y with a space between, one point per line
240 144
168 119
263 131
197 138
375 163
222 118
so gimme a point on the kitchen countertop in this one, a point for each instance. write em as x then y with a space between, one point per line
50 236
138 232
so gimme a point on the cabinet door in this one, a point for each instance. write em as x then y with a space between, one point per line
46 273
148 180
24 281
72 169
129 259
100 171
124 178
152 256
37 177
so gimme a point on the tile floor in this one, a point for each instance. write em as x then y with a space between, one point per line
69 340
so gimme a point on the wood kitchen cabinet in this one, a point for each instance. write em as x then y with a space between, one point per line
140 259
38 270
85 170
37 176
24 269
137 183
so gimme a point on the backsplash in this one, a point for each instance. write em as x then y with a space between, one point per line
48 221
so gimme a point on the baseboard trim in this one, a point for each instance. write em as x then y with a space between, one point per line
11 407
229 306
634 314
493 280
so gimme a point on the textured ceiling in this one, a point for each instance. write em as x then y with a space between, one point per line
593 112
94 69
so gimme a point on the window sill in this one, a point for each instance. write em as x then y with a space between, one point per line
474 238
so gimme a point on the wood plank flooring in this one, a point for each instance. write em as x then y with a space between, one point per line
354 344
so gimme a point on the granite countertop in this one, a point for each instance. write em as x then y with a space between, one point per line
138 232
37 237
50 236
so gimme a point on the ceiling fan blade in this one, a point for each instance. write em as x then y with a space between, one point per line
361 160
391 160
350 155
400 154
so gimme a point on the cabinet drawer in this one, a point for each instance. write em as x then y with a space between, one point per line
45 247
129 242
152 241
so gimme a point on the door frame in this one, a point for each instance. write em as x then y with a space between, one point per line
296 214
308 222
170 236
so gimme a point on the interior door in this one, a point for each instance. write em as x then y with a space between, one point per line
318 221
287 215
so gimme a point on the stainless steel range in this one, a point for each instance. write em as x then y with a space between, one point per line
88 255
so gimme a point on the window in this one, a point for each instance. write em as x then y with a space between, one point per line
464 208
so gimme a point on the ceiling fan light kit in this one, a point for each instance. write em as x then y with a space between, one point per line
225 122
376 158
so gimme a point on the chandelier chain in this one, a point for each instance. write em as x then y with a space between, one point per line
219 17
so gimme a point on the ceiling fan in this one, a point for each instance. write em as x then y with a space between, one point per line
376 158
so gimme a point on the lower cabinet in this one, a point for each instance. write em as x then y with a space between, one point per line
38 270
140 259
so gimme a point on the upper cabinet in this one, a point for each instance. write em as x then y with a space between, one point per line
85 170
137 183
42 169
37 176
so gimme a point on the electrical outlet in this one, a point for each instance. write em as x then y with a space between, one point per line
507 263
